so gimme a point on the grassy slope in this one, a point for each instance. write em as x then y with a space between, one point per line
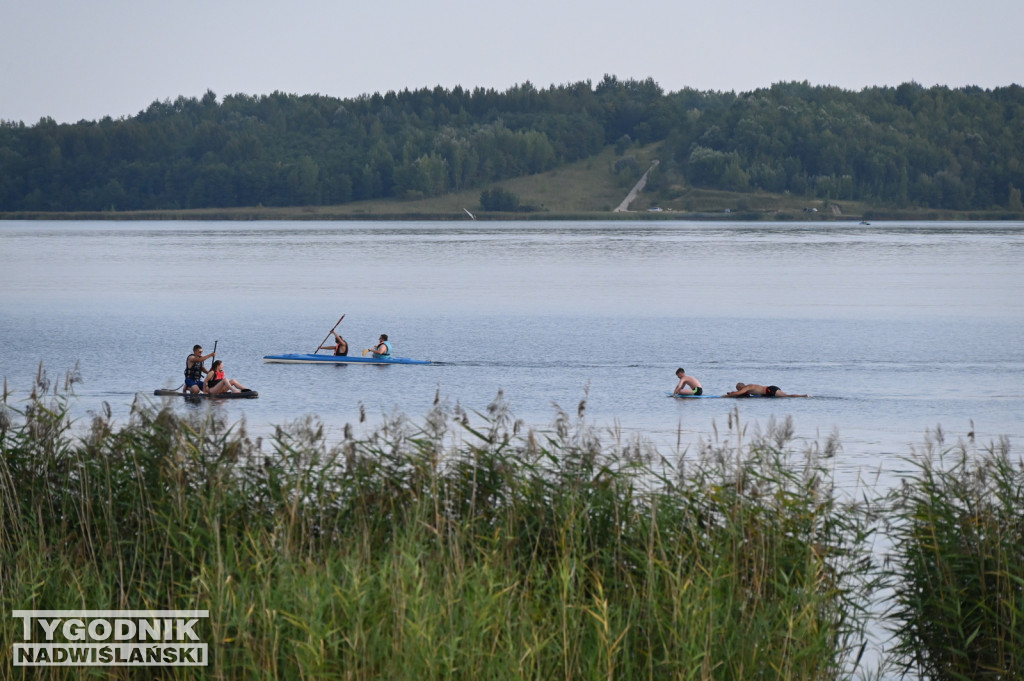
587 189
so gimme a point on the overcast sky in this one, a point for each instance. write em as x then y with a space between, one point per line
85 60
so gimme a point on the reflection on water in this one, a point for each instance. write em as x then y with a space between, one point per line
894 328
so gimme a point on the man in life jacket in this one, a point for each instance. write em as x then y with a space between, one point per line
340 346
383 348
194 370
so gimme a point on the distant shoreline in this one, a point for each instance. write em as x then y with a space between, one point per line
335 213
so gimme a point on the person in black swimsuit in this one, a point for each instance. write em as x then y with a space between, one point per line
216 382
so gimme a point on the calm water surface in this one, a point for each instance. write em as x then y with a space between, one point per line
894 328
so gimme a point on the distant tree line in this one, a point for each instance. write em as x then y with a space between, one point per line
904 146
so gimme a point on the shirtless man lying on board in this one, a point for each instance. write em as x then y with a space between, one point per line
754 390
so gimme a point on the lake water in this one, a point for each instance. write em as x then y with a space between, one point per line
894 328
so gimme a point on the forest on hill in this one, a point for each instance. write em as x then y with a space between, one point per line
903 147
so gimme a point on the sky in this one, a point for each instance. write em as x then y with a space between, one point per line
75 61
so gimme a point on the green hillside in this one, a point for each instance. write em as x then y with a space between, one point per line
588 189
789 151
591 189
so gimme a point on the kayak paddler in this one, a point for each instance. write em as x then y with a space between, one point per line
340 346
383 347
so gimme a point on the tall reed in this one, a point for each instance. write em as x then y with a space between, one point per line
958 566
465 547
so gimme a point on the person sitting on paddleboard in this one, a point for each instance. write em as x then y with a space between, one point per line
688 385
194 370
755 390
340 347
216 383
383 348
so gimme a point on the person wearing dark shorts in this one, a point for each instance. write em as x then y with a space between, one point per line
195 371
688 385
755 390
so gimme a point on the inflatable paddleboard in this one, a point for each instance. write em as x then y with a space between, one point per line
247 395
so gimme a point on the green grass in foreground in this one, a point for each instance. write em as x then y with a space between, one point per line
445 550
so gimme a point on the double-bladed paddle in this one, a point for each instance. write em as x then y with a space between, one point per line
328 335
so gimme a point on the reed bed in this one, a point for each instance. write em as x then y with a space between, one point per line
466 546
958 573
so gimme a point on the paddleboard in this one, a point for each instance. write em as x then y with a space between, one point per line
299 358
736 397
164 392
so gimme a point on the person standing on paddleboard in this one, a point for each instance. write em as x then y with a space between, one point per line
688 385
194 370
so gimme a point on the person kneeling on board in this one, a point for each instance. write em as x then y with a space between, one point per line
194 370
216 383
688 385
755 390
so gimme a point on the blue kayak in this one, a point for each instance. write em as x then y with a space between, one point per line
299 358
